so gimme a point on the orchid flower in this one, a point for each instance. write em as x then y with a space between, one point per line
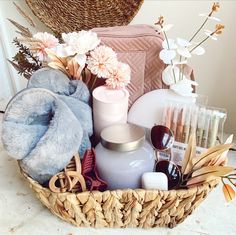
173 75
168 53
209 17
184 87
198 50
182 48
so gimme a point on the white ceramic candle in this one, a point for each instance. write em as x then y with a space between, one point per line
109 107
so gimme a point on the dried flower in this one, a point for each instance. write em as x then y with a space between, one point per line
26 16
219 29
119 76
182 48
212 34
101 61
160 21
45 41
68 65
215 7
23 31
164 28
24 61
79 42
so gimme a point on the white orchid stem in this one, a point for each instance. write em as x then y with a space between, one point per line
195 34
205 21
200 43
199 29
168 45
181 67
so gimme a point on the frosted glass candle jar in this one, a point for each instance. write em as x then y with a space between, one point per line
109 107
123 156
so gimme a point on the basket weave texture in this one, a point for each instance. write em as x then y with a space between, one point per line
123 208
74 15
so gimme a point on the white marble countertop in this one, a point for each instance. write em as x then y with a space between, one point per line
22 214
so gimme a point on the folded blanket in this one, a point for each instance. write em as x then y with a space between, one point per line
41 130
73 92
57 82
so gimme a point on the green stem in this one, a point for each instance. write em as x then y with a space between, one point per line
229 178
169 49
200 43
180 59
195 34
222 180
231 181
205 21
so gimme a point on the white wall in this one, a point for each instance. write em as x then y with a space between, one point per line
215 71
10 81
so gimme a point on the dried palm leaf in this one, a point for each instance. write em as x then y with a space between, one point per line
222 159
211 153
59 66
55 58
23 31
229 192
207 173
73 68
189 155
67 65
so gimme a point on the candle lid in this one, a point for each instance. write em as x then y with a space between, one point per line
122 137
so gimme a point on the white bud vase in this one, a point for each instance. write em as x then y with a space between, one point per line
110 106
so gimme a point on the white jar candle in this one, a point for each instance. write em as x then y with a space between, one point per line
109 107
123 156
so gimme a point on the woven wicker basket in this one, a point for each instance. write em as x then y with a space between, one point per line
123 208
72 15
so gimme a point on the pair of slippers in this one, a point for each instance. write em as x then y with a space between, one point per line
45 124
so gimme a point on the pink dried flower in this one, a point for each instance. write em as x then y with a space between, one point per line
119 77
45 41
101 61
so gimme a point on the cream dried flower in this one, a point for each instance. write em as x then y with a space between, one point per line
119 77
79 42
102 61
44 41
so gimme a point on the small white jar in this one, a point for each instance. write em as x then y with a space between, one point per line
123 156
